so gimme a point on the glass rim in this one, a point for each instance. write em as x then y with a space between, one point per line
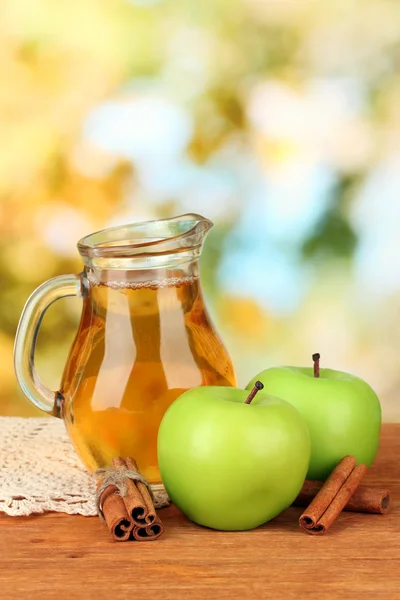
157 236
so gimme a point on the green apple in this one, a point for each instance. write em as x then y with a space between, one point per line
342 412
228 464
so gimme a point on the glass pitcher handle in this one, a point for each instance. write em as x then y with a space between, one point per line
26 337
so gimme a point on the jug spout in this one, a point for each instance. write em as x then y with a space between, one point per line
148 244
197 228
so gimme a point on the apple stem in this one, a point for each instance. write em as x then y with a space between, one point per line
316 358
257 387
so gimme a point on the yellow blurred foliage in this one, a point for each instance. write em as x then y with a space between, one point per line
243 314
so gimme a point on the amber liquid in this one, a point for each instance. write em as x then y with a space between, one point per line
137 349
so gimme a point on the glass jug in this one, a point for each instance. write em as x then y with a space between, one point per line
144 338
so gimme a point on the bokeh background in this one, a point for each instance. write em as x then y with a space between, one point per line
277 119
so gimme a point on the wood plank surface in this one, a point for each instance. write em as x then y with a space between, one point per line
72 557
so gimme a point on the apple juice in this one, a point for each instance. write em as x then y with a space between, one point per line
138 347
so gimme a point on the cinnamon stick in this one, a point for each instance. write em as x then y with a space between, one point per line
115 515
327 493
333 496
149 532
365 499
149 512
135 505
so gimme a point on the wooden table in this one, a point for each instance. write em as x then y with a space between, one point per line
61 556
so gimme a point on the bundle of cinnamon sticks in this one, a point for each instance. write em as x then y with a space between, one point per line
341 491
125 503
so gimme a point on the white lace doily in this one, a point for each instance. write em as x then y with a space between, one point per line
40 471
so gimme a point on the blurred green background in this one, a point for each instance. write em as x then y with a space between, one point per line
280 121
